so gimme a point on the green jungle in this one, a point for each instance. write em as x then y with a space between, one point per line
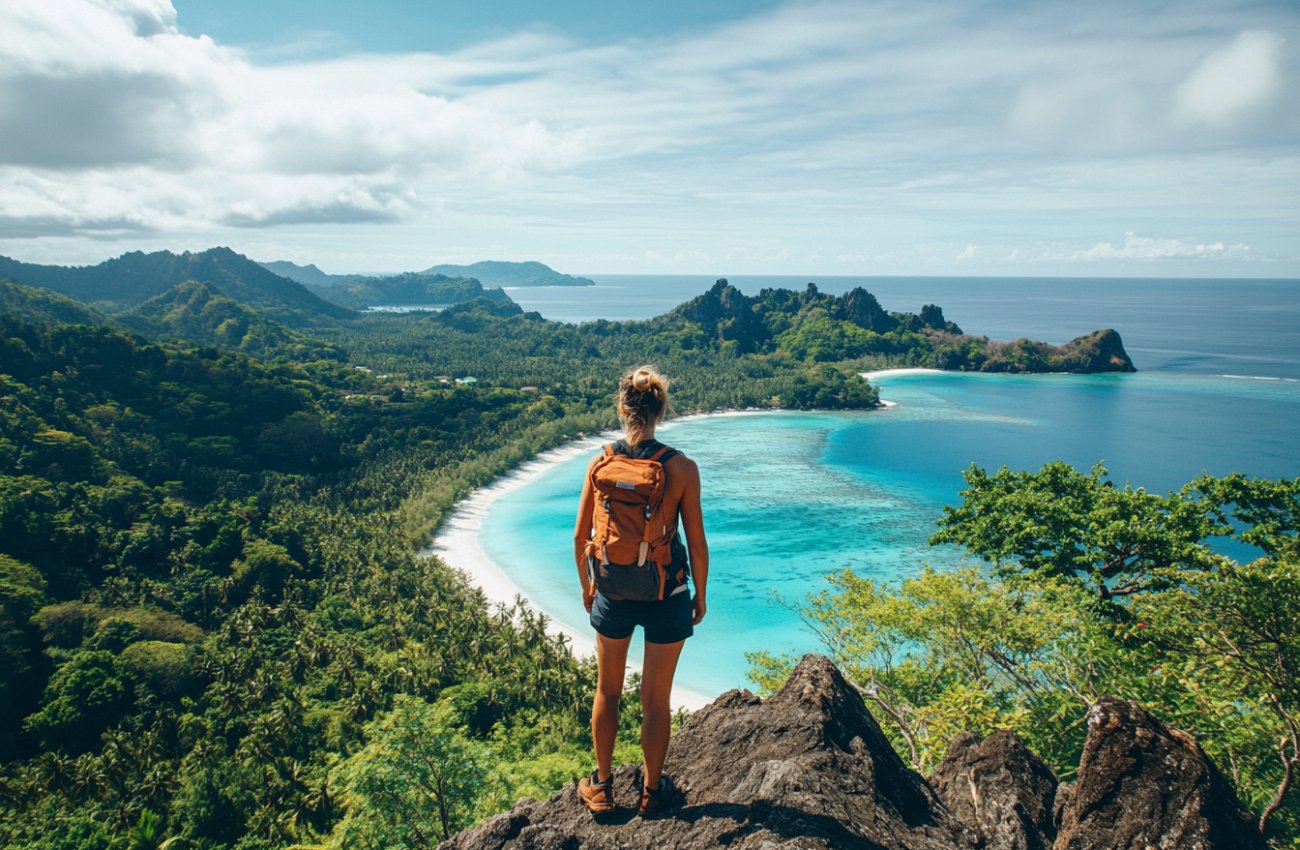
215 632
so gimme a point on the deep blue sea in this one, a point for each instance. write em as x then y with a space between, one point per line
790 497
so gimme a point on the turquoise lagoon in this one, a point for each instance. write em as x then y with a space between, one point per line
791 497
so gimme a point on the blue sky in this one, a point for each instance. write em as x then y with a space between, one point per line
808 138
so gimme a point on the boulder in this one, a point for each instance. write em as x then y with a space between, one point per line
1001 789
1143 784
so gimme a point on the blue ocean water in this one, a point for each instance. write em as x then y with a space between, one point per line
790 497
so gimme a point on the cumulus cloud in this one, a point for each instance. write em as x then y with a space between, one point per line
1119 95
95 94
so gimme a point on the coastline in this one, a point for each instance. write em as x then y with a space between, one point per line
456 543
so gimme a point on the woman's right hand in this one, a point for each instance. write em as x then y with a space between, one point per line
588 596
700 609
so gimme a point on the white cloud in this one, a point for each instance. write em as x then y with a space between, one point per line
1145 248
107 111
1233 81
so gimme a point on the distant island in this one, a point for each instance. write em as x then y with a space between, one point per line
490 273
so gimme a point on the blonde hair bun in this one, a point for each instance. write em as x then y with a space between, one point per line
642 400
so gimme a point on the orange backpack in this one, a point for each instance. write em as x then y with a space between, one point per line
631 546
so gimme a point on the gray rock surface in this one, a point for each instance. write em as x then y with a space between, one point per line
807 768
1000 788
1143 784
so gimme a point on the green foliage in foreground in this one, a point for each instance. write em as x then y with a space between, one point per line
1093 589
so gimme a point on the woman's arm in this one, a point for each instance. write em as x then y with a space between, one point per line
693 527
582 533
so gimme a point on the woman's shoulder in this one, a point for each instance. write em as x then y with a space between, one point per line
681 463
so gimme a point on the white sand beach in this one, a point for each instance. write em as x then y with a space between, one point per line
882 374
876 378
457 545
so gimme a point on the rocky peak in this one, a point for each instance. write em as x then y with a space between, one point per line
810 768
1001 789
1144 784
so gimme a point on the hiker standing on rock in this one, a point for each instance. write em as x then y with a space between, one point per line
634 572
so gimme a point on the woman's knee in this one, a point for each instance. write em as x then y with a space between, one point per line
655 699
609 693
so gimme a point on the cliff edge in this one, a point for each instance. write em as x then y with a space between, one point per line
810 768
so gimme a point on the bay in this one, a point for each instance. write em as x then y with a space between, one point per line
790 497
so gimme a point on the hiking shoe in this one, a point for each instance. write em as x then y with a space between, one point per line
656 801
597 796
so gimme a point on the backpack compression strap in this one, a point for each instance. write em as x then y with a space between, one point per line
648 535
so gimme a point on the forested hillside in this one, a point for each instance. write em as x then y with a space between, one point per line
207 604
412 289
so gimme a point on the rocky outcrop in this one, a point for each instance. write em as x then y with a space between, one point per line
1100 351
1144 784
810 768
807 768
1001 789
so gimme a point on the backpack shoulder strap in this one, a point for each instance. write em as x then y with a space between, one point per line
664 454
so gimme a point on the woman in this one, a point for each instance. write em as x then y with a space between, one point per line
642 402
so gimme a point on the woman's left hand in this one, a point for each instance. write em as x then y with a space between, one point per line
588 597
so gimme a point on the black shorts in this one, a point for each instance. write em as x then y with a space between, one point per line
664 621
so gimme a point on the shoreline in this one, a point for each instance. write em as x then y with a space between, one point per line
456 543
874 378
878 374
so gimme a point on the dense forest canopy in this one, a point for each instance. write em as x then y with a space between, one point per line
213 628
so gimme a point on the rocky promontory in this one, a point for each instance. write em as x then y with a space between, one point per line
810 768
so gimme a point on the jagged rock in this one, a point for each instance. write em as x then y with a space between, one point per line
807 768
1001 789
1145 785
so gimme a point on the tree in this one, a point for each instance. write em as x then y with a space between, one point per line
416 781
84 697
1094 589
1060 523
22 592
1232 637
1260 512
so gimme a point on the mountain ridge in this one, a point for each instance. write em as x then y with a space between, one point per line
118 284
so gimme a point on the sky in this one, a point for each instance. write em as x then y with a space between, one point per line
906 137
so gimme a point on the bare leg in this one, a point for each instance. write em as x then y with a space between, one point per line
656 721
611 664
